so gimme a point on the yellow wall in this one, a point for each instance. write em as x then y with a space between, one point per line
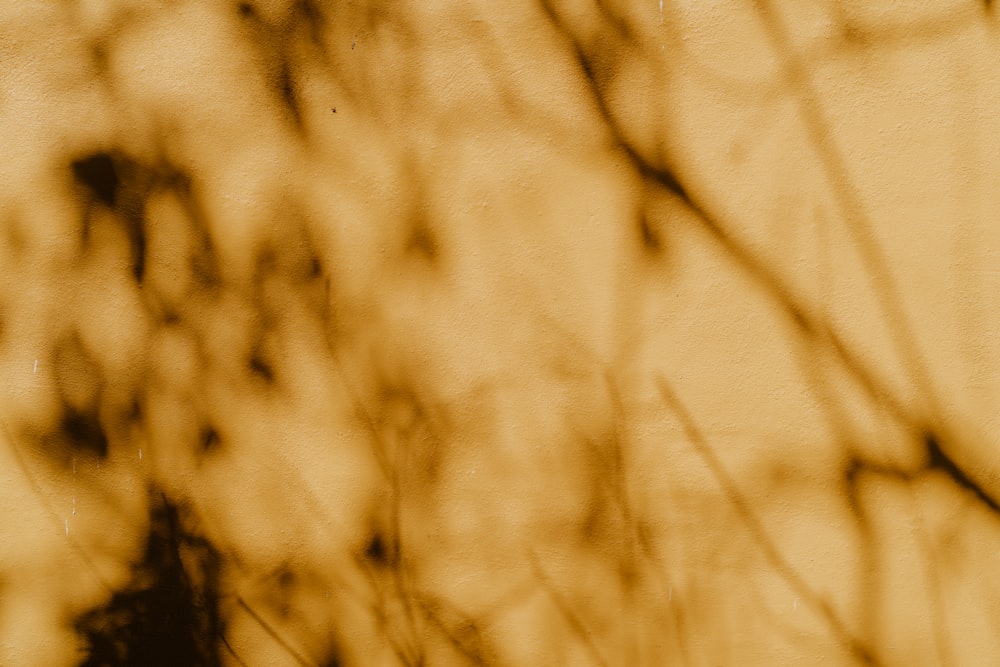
514 333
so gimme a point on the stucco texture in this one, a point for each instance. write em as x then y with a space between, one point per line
549 332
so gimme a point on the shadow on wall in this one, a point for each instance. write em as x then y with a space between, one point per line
544 333
168 614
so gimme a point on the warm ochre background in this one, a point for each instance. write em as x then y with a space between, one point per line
559 332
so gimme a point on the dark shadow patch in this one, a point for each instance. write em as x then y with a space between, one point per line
650 239
171 317
658 175
286 583
84 432
594 526
246 10
423 243
309 13
286 88
209 440
135 413
168 614
800 320
99 54
135 225
382 552
286 579
79 382
104 176
315 268
853 35
853 472
99 174
259 368
937 459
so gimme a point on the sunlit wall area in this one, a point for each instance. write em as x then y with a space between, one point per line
587 332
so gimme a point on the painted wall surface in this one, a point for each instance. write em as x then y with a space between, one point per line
534 332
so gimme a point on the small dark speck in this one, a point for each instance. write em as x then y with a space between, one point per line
334 109
352 45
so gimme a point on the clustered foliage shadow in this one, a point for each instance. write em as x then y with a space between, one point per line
173 610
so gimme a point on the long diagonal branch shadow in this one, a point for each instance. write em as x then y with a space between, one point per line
391 581
566 611
807 322
848 198
861 227
274 634
756 527
664 178
467 642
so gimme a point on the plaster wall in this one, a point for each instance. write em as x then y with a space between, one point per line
514 333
